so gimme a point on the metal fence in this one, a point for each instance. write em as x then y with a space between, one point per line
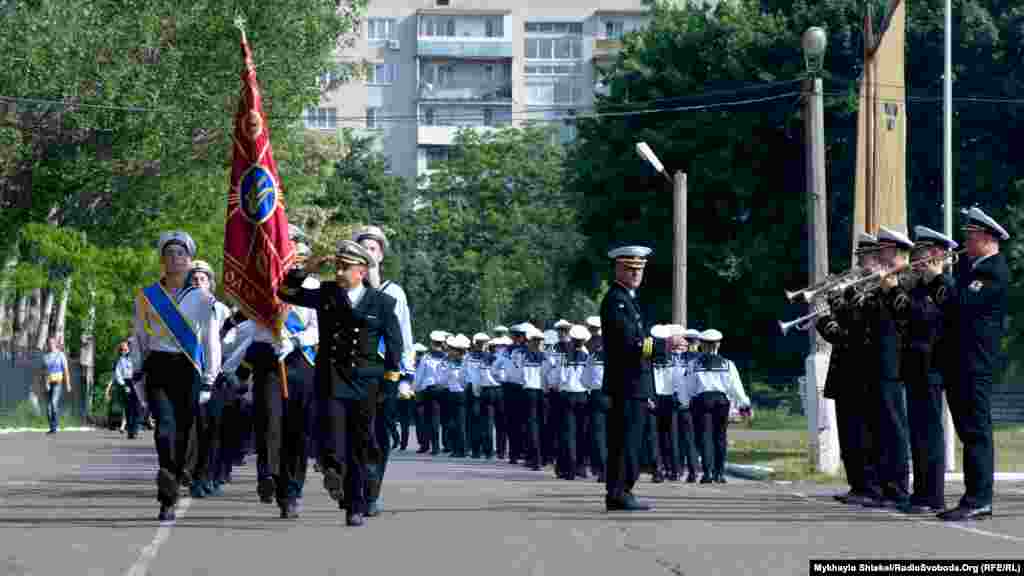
19 382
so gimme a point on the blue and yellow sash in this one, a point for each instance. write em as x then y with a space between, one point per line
295 325
176 324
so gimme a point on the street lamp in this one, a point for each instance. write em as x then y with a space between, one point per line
678 181
821 420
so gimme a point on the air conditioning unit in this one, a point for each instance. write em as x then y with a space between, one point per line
394 44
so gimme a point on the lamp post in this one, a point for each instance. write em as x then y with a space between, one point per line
821 417
678 181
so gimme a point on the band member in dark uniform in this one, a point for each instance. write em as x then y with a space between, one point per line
352 317
845 329
979 323
891 424
921 316
628 380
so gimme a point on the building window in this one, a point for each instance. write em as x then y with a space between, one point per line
613 29
488 117
564 91
494 27
443 26
567 48
381 74
441 3
429 117
322 118
372 122
380 28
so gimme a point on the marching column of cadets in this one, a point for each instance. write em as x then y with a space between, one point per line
510 396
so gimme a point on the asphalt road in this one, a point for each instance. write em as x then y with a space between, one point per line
83 503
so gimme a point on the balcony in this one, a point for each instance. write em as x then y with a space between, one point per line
606 48
464 47
486 92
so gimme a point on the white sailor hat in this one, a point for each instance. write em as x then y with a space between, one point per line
866 243
563 324
711 335
533 333
631 256
887 237
518 328
979 221
480 337
202 266
295 234
578 332
438 336
925 236
660 331
499 329
373 232
177 237
417 347
550 337
459 342
526 328
594 321
692 334
500 341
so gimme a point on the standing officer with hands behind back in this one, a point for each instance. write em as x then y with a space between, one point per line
628 380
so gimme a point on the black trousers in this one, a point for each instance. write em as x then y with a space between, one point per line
712 414
456 402
893 459
626 420
972 417
472 426
550 416
268 409
489 400
231 439
347 443
687 441
130 402
206 438
172 386
597 401
573 437
383 422
406 415
927 443
500 422
851 419
514 420
422 416
668 432
651 452
433 399
533 405
299 415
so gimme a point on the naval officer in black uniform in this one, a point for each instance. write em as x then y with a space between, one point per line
352 318
628 380
979 324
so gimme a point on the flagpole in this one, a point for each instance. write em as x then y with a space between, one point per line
947 191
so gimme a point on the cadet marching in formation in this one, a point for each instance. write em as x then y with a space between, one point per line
898 346
343 382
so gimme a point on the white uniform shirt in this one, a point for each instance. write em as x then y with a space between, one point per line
554 363
430 371
713 373
485 374
243 334
593 373
404 322
151 336
455 372
124 370
533 366
680 379
663 369
570 374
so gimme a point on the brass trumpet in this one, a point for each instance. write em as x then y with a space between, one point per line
835 283
807 320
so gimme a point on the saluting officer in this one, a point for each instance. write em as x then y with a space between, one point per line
627 378
979 324
352 318
178 350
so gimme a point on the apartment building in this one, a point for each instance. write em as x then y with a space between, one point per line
438 65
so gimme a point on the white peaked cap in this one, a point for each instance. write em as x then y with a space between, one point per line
481 337
438 336
579 332
459 342
594 321
711 335
419 347
563 323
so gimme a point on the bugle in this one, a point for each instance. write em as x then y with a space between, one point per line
807 320
836 283
873 281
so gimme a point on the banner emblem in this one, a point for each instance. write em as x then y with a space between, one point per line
258 194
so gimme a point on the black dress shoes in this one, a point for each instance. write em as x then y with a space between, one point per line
706 480
961 513
354 519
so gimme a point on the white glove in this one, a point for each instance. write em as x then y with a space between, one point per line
204 397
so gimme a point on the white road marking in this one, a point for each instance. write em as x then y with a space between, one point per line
148 554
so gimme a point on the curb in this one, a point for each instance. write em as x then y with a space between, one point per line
749 471
17 430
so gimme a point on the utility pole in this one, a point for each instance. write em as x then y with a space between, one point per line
947 198
679 248
817 209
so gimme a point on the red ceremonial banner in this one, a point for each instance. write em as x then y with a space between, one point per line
257 250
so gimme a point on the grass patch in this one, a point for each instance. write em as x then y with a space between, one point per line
777 419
